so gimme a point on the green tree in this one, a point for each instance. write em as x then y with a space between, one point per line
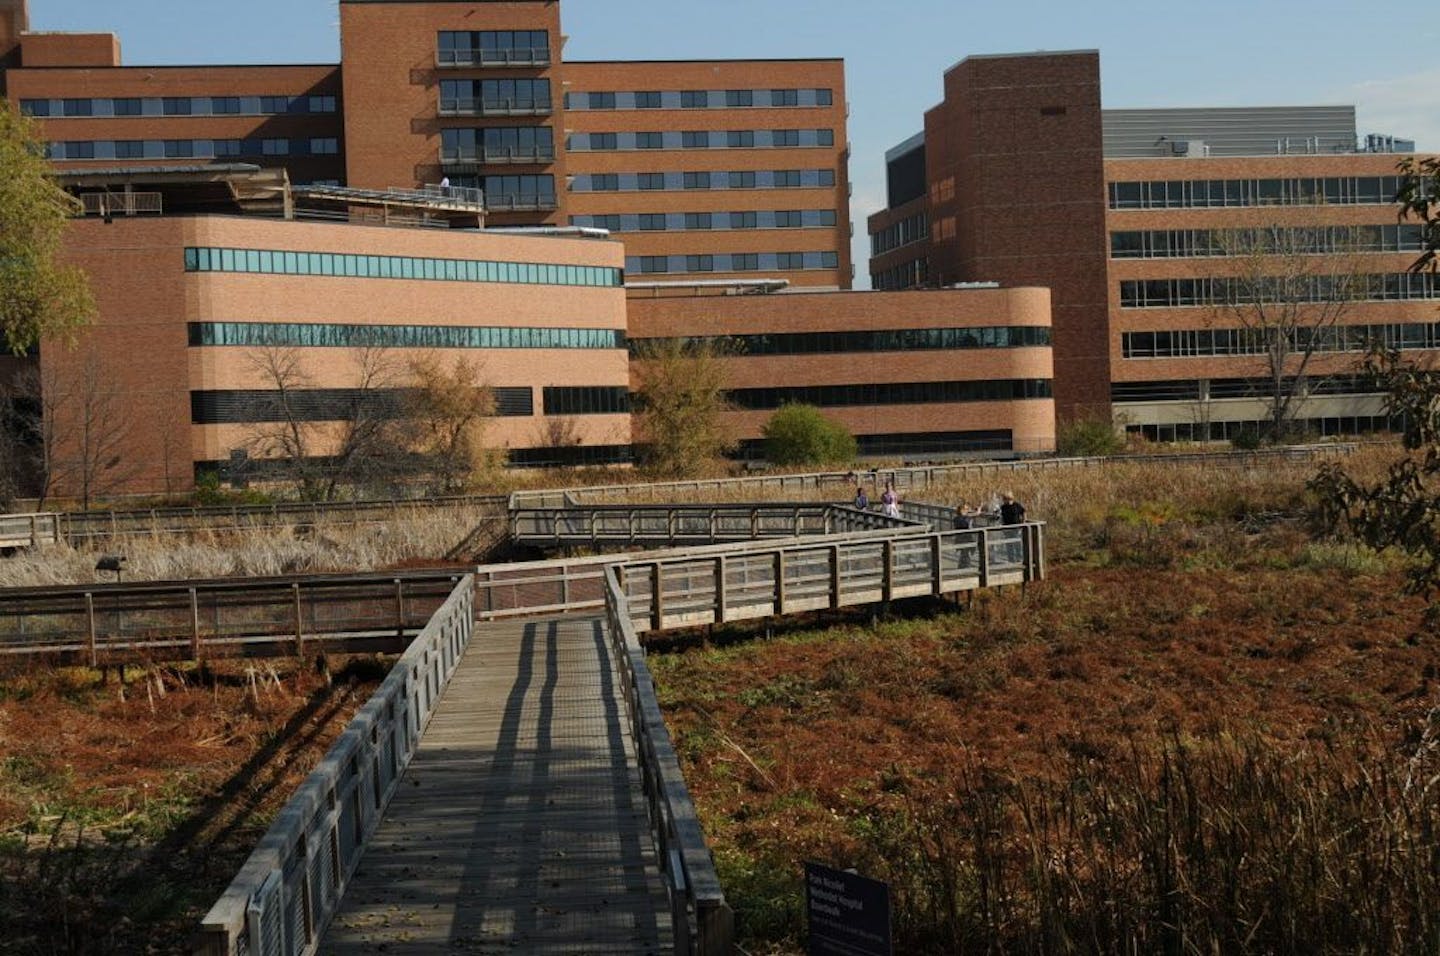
1089 438
800 435
38 296
680 406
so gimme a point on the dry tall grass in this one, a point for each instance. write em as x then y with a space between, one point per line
309 548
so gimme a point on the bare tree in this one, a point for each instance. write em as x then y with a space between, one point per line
81 424
681 406
1287 289
448 409
324 440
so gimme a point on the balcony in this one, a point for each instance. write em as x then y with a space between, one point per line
459 160
488 59
470 106
522 202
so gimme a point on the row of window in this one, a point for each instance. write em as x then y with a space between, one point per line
1210 291
1212 389
1209 343
910 444
587 400
1201 243
733 262
701 221
698 99
187 148
1231 430
499 97
893 393
278 262
887 340
1210 193
910 229
250 406
739 179
502 144
907 275
703 139
332 335
493 47
512 192
180 106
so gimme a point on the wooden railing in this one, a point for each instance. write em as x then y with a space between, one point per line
29 530
837 483
193 620
288 890
679 525
702 920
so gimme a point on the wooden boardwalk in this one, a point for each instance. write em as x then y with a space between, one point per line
519 826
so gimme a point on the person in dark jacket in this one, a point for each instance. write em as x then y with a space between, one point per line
862 500
1011 511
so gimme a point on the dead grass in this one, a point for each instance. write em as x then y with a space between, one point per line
126 809
295 549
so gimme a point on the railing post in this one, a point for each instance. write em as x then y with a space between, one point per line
779 582
34 533
399 608
195 625
937 578
720 595
983 558
657 601
299 622
889 577
90 628
835 577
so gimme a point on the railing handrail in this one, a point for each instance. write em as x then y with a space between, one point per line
697 898
906 474
343 790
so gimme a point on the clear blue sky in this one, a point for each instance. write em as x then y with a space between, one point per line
1379 55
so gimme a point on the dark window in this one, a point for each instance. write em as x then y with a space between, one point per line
130 149
602 101
699 263
652 222
77 107
647 100
698 220
650 181
735 98
825 137
587 400
743 179
694 99
653 264
824 98
604 182
128 106
743 220
745 262
176 106
35 107
513 402
224 104
740 138
179 148
785 137
784 97
827 177
697 180
603 141
649 140
696 139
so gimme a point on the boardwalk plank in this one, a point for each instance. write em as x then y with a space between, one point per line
520 825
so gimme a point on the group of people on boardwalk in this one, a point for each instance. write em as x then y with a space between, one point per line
1010 510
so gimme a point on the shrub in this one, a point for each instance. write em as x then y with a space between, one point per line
801 435
1089 438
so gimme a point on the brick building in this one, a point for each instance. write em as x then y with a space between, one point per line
1131 216
211 195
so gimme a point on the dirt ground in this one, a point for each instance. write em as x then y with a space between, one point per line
126 809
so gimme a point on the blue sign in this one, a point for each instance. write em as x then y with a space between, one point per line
849 915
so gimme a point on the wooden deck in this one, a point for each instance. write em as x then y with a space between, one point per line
519 826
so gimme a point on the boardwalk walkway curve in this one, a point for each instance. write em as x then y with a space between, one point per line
498 767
